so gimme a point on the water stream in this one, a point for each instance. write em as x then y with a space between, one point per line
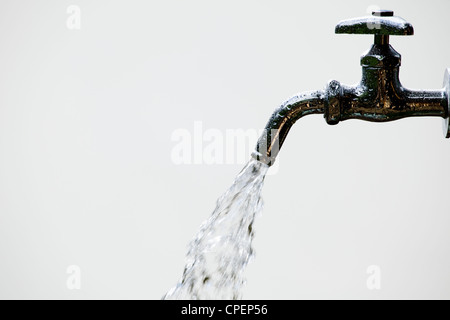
221 250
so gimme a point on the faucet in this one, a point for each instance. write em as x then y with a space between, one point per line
379 97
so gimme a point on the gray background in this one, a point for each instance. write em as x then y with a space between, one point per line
86 176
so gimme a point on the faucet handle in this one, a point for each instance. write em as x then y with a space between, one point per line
381 22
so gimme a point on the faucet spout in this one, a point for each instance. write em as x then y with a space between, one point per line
281 121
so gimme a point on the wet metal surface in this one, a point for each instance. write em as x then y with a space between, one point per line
379 97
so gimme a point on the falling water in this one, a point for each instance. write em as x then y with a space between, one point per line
219 253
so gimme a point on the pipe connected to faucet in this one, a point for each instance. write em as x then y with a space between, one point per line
379 97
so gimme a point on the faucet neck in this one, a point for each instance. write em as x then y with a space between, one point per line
382 56
380 70
381 39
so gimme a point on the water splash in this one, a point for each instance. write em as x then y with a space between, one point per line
219 253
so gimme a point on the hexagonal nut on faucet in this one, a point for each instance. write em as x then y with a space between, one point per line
388 58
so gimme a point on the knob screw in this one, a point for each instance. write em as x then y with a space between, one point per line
383 13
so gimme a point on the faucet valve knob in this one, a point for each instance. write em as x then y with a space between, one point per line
382 24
